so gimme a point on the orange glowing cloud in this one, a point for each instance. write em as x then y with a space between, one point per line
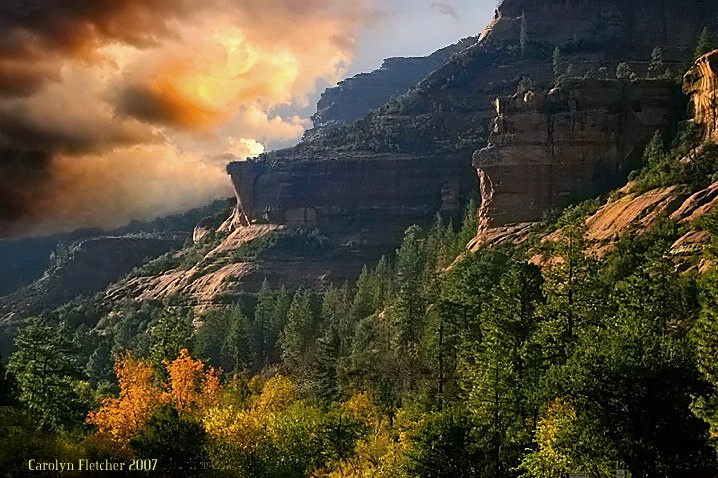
130 103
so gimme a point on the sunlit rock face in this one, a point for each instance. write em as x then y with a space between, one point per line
577 141
701 83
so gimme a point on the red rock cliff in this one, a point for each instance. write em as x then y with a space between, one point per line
701 83
546 151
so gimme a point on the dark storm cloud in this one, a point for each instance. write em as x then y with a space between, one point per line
109 109
21 176
38 34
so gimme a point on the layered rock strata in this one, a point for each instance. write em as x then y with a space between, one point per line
394 190
577 141
449 114
701 83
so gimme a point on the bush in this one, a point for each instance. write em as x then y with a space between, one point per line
295 241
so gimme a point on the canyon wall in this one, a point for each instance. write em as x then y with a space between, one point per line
354 97
395 190
577 141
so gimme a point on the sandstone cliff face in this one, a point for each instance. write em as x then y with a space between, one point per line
701 83
363 183
546 151
396 190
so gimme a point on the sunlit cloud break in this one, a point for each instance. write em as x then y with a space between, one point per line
111 111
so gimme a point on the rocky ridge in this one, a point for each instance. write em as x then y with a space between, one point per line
362 183
354 97
450 113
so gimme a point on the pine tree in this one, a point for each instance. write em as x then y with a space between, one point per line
279 319
503 370
297 336
264 317
706 43
210 336
572 295
469 227
337 317
656 68
50 379
326 369
236 346
409 298
170 333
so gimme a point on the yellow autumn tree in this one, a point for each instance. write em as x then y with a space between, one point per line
381 453
118 419
190 388
256 431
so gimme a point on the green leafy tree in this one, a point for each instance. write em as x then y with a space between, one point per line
447 444
51 382
631 388
175 441
624 72
566 443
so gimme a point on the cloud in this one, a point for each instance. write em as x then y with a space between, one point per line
115 110
446 8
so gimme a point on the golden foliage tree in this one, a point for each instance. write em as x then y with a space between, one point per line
190 389
119 419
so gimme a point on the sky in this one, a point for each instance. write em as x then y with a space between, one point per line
119 110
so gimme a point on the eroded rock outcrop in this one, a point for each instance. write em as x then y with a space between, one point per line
395 190
363 183
701 83
546 151
584 131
